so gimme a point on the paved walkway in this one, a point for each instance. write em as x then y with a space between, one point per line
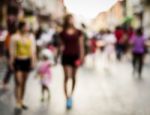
116 92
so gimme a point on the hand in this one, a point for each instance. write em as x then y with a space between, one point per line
79 62
32 65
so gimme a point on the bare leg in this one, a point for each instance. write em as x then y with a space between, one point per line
66 72
48 91
25 77
18 87
45 89
43 93
70 72
73 76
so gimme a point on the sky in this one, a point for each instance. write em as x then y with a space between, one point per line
88 9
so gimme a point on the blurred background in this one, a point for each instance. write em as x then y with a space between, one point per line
103 15
105 83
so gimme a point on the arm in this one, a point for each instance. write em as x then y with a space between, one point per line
61 45
33 51
12 50
81 45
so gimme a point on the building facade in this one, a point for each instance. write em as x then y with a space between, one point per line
109 19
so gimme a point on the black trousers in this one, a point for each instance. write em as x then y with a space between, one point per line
119 50
7 76
138 62
9 72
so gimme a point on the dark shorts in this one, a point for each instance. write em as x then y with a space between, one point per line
23 65
1 48
69 60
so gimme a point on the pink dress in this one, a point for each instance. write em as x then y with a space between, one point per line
45 73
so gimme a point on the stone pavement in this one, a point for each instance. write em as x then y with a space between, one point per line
116 92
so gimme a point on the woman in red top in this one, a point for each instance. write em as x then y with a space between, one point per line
72 54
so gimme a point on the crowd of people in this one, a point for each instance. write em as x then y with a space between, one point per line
123 43
26 50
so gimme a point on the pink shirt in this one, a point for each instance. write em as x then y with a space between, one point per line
45 69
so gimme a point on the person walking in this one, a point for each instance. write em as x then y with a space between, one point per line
8 73
23 55
138 48
44 71
72 41
119 34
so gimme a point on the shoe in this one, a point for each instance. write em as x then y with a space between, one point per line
69 103
24 107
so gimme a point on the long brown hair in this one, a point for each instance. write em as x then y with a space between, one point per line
66 23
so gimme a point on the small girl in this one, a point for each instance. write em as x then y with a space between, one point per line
44 71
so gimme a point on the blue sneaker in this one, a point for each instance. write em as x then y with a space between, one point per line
69 103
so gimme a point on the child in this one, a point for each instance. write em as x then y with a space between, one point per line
44 71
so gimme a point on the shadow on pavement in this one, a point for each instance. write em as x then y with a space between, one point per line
1 92
17 112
